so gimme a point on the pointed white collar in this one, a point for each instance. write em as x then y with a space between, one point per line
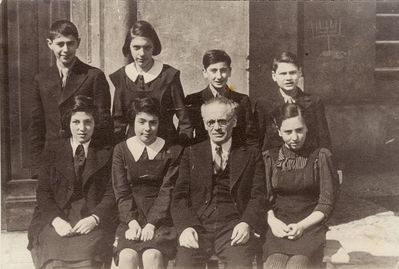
149 76
136 147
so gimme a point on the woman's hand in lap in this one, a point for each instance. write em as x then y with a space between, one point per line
147 233
296 231
85 226
279 228
134 231
62 227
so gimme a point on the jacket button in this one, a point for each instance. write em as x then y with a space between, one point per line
206 202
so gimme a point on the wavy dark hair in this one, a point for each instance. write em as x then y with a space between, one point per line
215 56
80 104
285 57
144 29
63 27
147 105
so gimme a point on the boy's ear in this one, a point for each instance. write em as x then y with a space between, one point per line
279 132
300 72
49 42
274 76
78 41
204 73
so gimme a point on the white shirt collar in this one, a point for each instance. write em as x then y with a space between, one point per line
136 147
75 144
215 93
287 98
149 76
60 68
225 149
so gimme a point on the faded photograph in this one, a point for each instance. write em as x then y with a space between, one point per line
199 134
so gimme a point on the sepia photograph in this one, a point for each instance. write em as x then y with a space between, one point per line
188 134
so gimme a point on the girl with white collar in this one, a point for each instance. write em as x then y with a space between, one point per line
143 77
144 171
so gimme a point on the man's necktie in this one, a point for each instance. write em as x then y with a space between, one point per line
79 161
140 82
218 160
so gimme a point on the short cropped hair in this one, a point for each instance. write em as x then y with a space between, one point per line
80 103
221 100
286 111
62 27
215 56
146 105
285 57
143 29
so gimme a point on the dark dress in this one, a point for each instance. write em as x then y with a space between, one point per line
59 194
298 184
167 89
143 192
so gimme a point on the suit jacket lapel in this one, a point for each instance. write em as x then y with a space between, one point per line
203 162
52 83
94 161
207 94
238 161
65 166
75 78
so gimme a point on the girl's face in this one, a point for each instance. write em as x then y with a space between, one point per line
146 127
82 127
293 132
141 49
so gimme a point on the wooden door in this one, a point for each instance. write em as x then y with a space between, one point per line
24 31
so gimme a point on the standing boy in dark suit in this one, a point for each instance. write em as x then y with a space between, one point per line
286 73
217 70
219 197
56 87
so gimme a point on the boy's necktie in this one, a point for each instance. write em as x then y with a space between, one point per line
64 76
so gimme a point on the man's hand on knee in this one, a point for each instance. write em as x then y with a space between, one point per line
189 238
240 234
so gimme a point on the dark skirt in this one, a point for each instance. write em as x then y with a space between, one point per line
309 244
71 251
165 240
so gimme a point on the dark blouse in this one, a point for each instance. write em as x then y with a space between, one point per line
320 179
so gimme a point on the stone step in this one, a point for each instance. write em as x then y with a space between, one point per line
20 202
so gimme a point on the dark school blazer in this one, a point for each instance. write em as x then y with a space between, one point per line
245 130
56 184
193 190
314 114
49 101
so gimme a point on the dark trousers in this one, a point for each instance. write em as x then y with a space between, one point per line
215 238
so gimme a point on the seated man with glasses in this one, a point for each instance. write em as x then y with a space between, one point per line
218 200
